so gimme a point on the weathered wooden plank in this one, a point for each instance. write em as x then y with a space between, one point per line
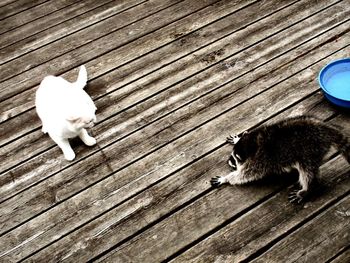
318 240
167 195
108 58
181 73
72 246
50 166
180 229
15 173
100 207
56 163
342 258
155 167
140 42
92 42
33 14
133 94
58 24
137 69
35 174
110 83
9 9
6 2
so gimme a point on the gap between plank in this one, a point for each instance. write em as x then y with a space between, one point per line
73 32
21 10
35 20
202 70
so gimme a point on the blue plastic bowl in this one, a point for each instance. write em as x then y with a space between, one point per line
334 80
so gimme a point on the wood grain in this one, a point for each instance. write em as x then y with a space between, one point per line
57 25
170 79
343 257
138 171
83 46
9 8
161 84
22 104
126 74
222 205
33 14
181 187
147 65
218 101
239 240
313 241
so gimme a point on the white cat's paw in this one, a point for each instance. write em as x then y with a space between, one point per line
69 155
90 141
43 129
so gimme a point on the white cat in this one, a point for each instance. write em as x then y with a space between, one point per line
65 110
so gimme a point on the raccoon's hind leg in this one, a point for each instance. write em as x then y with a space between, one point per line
306 177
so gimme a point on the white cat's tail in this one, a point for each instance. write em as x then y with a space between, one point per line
82 77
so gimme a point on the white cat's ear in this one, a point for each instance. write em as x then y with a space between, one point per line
82 77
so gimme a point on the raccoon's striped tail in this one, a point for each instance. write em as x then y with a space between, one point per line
342 143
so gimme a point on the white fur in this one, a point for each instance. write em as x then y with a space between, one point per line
65 110
236 139
235 177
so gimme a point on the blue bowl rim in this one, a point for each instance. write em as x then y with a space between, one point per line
324 69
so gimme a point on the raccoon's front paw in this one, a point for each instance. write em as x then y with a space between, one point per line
297 196
233 139
217 181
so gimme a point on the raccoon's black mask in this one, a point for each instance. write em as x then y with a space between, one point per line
246 147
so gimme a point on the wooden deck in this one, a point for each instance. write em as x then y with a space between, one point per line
171 79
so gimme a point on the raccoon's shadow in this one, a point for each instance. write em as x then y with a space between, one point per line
278 179
339 109
291 182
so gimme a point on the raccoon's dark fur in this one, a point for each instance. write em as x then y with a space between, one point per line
296 143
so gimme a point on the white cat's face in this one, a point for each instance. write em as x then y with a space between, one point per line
82 116
79 110
82 122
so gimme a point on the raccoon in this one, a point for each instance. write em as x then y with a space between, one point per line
299 143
